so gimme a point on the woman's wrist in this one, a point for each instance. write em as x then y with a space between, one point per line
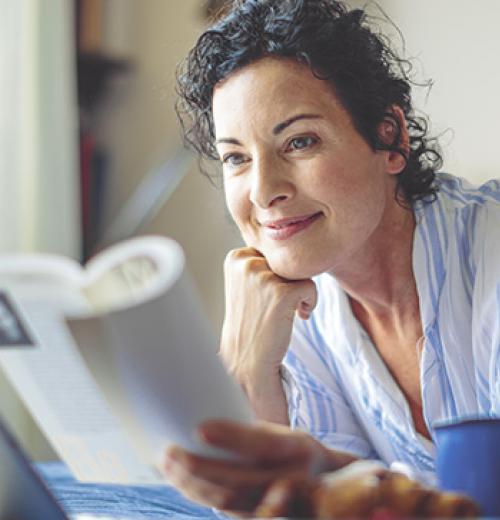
265 393
260 379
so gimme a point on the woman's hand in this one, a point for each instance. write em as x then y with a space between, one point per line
361 491
265 453
260 308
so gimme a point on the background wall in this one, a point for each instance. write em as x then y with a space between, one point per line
457 44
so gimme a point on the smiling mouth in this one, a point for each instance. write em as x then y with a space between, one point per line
283 229
284 222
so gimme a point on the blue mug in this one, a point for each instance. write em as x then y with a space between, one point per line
468 460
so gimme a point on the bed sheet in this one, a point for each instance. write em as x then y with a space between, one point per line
114 501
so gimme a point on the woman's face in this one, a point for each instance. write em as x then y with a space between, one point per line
301 184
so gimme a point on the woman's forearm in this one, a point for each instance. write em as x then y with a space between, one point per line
267 397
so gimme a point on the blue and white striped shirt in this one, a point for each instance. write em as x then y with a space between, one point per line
339 389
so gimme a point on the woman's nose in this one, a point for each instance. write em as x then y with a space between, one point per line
270 184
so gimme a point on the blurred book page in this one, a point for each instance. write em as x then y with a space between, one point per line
117 363
52 380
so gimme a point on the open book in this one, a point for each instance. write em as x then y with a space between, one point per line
114 360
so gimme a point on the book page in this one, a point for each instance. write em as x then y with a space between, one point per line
44 365
118 364
37 268
122 284
131 272
163 376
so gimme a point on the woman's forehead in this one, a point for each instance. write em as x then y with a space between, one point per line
275 73
270 88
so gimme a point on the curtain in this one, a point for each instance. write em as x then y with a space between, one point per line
39 181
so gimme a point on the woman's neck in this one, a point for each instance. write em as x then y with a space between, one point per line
380 278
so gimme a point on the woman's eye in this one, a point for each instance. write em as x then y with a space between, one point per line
302 142
233 159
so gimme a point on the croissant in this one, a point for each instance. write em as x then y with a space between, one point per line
379 494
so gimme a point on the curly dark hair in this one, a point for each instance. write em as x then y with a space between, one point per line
340 47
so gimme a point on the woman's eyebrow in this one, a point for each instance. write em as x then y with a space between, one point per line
228 140
276 130
281 126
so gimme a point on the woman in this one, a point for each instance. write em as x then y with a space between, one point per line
365 306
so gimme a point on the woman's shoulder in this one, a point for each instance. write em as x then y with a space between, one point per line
460 213
459 193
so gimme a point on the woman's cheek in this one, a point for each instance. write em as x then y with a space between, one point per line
238 204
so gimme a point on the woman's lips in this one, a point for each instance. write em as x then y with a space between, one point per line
285 228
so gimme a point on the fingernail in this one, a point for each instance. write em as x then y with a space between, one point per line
167 464
171 454
208 432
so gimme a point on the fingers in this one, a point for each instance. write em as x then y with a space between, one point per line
242 255
208 493
308 298
271 443
198 490
267 453
229 486
214 483
232 474
288 497
248 263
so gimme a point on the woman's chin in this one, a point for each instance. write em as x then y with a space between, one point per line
291 270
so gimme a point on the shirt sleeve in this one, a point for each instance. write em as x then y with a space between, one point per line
316 401
486 315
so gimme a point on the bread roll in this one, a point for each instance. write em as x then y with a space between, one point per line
375 494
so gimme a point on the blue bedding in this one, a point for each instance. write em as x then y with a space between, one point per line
115 501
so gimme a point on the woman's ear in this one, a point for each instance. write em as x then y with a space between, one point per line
388 133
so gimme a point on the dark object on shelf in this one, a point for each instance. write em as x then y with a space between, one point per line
93 183
94 73
100 88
